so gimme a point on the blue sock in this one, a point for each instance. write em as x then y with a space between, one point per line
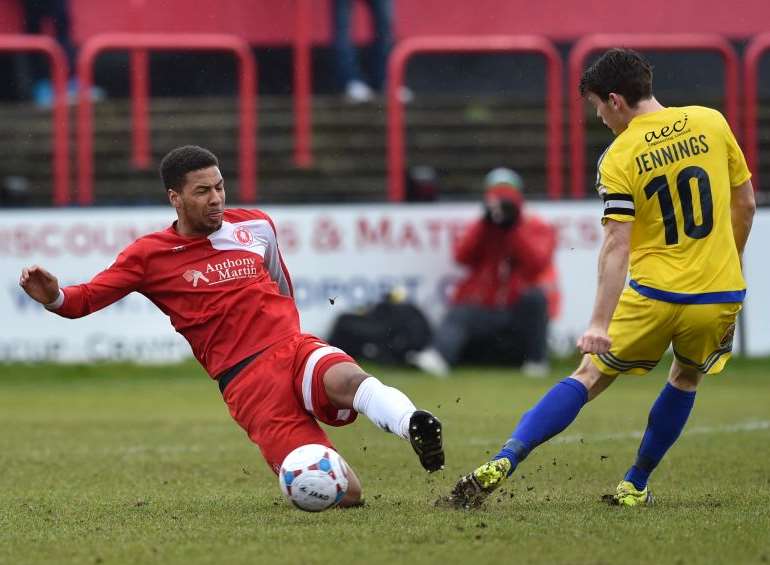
555 411
667 419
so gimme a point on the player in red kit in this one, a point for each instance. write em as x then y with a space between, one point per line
219 276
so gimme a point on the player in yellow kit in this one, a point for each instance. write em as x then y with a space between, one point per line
670 172
678 208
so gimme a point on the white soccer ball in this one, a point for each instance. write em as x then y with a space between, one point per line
313 477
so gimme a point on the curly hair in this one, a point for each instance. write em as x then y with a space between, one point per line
182 160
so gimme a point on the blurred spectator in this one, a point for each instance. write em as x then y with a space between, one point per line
422 184
349 74
14 191
502 301
35 81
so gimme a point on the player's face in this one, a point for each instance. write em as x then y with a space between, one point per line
609 111
200 203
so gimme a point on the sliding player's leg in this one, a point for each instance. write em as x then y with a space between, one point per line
283 433
334 389
354 496
264 402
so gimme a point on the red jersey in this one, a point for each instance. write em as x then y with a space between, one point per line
229 293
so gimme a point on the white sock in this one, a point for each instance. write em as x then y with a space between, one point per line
389 408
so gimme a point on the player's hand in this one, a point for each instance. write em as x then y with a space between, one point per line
594 340
41 285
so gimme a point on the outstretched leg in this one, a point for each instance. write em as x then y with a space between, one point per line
348 386
353 497
555 411
667 419
550 416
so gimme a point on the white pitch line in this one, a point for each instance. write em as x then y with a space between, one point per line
750 426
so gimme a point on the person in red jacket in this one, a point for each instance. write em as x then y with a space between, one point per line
509 257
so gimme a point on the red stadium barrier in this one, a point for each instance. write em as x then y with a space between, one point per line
662 42
60 126
140 91
756 48
143 42
467 44
303 156
140 109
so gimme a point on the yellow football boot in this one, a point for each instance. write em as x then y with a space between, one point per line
627 495
471 490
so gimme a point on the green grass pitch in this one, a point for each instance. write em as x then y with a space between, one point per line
129 464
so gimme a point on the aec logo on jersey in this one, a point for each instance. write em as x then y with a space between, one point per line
677 127
243 236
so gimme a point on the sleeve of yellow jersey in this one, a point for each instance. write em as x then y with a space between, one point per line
736 162
614 189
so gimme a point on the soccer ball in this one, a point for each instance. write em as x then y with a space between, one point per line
313 477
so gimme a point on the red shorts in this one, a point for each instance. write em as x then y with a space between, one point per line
280 395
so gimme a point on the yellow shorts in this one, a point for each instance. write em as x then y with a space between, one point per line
642 329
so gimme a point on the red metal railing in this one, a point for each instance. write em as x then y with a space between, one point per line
165 42
140 92
303 156
461 44
663 42
60 125
756 48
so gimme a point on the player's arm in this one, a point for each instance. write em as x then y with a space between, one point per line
742 204
742 209
275 265
76 301
613 266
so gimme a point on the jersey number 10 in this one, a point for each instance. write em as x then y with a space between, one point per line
659 185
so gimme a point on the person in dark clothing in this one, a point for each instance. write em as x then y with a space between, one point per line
502 298
34 80
349 76
36 11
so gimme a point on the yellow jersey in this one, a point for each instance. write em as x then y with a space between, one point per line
671 173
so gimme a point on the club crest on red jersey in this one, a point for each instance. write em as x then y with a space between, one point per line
243 236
